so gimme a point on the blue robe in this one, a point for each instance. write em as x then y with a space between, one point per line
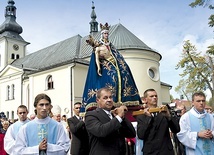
31 134
116 75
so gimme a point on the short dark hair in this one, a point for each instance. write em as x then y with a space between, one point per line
98 94
147 90
78 103
40 97
35 111
22 107
200 93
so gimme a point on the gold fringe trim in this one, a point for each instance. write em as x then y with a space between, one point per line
127 103
90 105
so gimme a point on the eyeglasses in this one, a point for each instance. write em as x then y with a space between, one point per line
22 113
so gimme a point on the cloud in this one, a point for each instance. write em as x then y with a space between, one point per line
163 26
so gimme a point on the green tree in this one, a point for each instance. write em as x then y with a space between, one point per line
204 3
198 71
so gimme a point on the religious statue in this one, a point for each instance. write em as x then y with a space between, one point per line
108 69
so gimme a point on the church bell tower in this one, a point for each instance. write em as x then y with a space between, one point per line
12 45
93 23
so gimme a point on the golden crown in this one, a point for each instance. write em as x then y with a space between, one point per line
104 27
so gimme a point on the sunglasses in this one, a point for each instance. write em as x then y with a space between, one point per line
22 113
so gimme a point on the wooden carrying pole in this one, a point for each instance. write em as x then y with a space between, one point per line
151 110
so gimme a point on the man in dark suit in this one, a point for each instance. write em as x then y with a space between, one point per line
107 132
153 128
79 142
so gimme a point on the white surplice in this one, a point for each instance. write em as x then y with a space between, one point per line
188 137
27 142
10 136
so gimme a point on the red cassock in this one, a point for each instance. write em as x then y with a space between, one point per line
2 151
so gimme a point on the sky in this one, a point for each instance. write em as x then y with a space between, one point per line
163 25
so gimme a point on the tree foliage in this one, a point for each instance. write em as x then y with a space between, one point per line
197 72
210 50
204 3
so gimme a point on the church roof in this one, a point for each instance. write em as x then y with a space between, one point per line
76 49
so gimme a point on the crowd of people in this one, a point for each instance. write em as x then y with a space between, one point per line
106 130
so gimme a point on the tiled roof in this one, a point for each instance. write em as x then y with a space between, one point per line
73 48
58 53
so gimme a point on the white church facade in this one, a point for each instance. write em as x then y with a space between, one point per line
60 70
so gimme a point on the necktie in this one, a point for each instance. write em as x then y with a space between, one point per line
80 118
110 116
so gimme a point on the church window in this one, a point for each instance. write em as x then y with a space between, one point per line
153 73
12 91
12 56
17 56
7 114
12 115
8 93
50 82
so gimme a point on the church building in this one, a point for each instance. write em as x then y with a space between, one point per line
60 70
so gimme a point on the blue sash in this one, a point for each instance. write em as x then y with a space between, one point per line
36 132
203 146
16 127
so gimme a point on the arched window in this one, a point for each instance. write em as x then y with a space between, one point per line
49 82
7 114
12 91
12 115
12 56
17 56
8 92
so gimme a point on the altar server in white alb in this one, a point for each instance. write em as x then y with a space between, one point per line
10 136
43 135
197 128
